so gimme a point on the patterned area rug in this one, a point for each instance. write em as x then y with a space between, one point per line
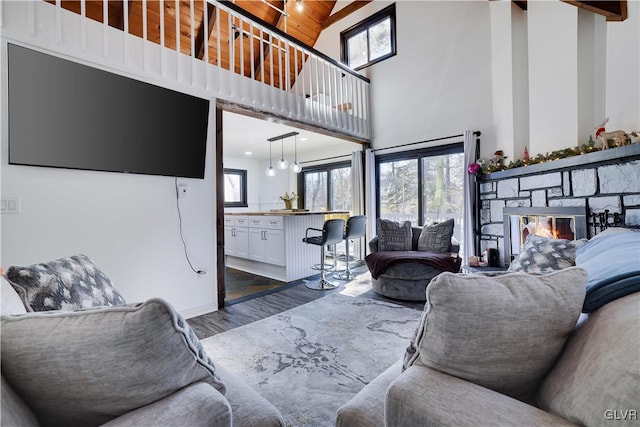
310 360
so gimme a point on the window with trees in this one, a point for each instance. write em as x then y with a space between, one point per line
235 188
371 40
422 186
326 187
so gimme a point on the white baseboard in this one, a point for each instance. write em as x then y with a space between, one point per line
198 311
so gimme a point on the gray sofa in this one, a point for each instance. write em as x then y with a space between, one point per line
514 349
127 365
407 280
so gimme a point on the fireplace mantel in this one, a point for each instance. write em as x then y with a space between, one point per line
627 152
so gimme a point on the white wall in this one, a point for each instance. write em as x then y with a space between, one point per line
553 64
128 224
622 71
452 55
254 180
439 83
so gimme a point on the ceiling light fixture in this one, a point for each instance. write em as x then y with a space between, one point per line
295 166
270 170
299 5
282 164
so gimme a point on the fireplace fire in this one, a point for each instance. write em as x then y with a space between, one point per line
568 223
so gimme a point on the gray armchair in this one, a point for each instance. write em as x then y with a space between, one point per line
408 280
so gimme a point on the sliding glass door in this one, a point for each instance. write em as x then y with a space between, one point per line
422 186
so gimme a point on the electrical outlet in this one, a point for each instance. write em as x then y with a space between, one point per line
182 191
10 205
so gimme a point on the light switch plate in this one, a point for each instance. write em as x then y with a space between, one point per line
10 205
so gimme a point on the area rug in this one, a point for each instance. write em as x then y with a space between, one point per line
310 360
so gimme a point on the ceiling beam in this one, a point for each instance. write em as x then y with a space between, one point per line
344 12
200 38
613 10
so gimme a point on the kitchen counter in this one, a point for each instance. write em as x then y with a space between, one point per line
285 212
270 243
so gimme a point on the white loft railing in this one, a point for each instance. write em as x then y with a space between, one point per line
225 55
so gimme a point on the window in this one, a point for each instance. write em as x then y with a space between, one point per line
423 186
235 188
371 40
326 187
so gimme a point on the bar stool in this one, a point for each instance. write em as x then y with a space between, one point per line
355 229
332 232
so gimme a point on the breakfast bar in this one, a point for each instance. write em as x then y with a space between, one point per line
270 243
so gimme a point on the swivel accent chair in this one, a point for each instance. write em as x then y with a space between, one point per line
355 229
332 232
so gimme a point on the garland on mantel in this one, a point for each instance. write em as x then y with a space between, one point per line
497 163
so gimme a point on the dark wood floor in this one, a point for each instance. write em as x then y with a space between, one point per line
255 309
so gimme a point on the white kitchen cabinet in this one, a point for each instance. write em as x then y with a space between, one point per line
266 241
236 236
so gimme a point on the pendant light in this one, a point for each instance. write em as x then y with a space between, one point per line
270 170
282 164
295 166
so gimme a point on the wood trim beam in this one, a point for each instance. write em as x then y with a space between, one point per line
200 38
614 11
344 12
219 171
522 4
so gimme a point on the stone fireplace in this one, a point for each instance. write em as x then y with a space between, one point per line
603 186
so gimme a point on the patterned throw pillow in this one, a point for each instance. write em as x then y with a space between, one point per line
436 237
502 332
543 255
99 363
66 284
393 236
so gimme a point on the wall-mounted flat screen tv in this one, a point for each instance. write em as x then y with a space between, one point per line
67 115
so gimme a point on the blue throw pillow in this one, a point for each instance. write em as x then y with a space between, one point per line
613 264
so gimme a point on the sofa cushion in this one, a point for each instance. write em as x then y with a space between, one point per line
543 255
13 411
87 367
503 332
392 236
596 381
70 283
11 301
436 237
613 267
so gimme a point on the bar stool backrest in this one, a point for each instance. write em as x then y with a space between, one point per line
332 231
356 226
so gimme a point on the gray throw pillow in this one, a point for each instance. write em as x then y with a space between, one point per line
436 237
543 255
393 236
90 366
68 284
502 332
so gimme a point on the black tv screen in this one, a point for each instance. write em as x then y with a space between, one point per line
68 115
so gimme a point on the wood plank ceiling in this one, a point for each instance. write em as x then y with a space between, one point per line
268 54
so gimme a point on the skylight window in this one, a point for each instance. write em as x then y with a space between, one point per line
371 40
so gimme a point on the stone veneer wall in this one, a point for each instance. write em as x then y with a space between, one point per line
598 181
